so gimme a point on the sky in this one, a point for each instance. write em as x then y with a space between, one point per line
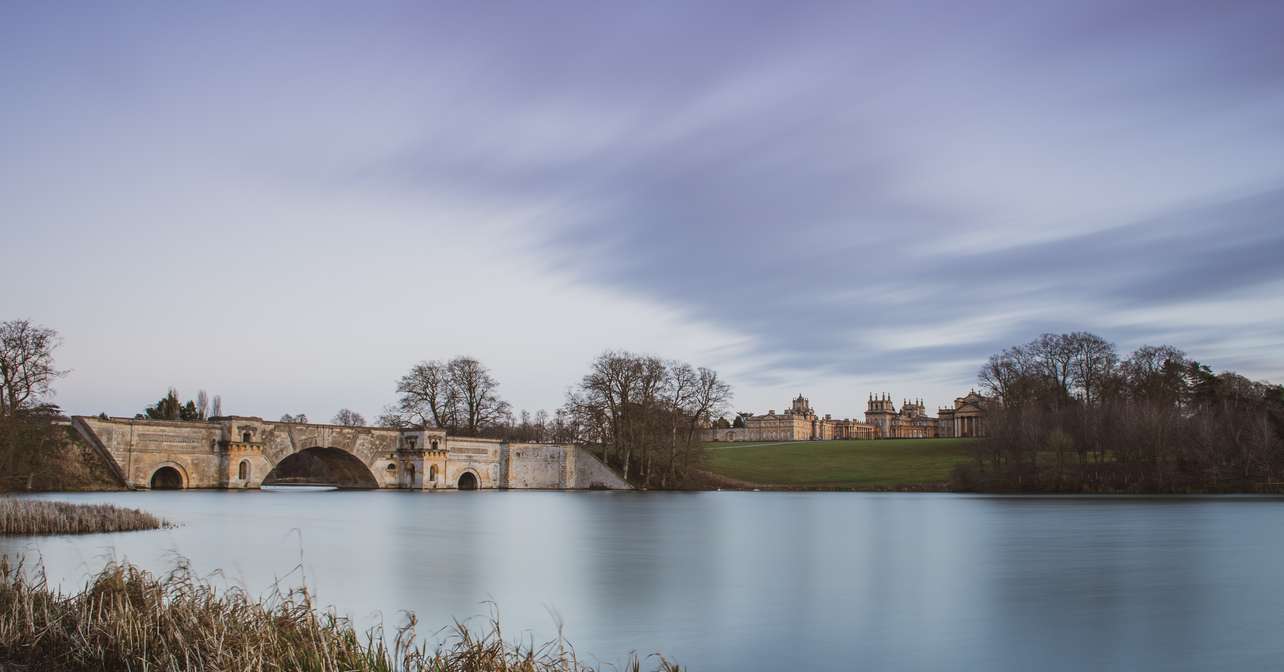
289 204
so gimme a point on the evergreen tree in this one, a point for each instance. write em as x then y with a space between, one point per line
168 408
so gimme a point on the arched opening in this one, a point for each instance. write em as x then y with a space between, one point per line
322 466
432 473
410 476
167 478
467 481
434 445
243 470
246 437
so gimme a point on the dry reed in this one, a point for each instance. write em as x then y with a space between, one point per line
35 516
128 619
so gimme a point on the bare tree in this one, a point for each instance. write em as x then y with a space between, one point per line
202 405
460 396
348 418
391 417
541 426
428 397
300 418
1155 373
478 391
1055 356
218 407
652 379
610 387
1002 374
682 388
643 415
27 367
711 397
1093 363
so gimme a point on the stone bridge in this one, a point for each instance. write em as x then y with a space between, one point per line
244 452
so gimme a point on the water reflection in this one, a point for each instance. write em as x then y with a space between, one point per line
726 581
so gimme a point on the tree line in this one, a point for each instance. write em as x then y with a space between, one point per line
1068 413
170 408
460 395
641 414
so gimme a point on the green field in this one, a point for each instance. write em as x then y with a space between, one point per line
839 464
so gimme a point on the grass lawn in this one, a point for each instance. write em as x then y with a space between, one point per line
854 464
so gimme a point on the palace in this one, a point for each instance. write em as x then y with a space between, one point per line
882 421
799 423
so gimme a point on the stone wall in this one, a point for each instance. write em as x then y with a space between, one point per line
535 465
481 457
140 448
586 472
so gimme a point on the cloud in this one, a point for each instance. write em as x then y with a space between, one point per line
809 195
857 203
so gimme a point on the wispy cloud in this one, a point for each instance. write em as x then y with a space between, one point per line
818 194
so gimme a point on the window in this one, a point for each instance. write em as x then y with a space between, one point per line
243 471
432 473
247 437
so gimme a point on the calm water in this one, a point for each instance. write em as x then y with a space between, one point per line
725 581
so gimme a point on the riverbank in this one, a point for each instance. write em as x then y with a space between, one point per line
929 465
707 481
126 618
40 454
894 465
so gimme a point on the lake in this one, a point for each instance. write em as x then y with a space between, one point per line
739 580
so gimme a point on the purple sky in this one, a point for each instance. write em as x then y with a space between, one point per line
289 206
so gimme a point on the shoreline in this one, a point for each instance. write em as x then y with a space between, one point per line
909 488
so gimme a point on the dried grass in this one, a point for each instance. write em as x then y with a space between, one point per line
128 619
34 516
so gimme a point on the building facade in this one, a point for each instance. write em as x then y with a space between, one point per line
910 422
966 419
798 423
882 421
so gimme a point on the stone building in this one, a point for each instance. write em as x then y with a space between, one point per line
799 423
910 422
966 419
882 421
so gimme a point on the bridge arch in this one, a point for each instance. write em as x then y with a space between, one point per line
168 476
469 480
322 465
